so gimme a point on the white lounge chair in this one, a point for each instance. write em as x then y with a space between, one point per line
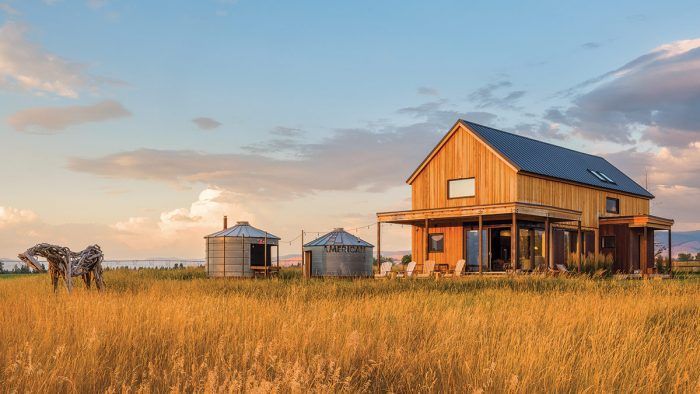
384 270
428 269
457 272
410 268
563 270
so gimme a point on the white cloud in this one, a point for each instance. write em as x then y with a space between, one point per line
12 216
51 119
25 65
183 226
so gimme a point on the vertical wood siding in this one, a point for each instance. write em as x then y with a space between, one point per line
464 156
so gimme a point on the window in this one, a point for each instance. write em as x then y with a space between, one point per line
601 176
437 242
607 242
612 205
457 188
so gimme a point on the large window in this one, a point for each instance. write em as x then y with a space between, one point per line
612 205
437 242
457 188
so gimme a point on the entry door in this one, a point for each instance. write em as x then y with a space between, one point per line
307 263
472 250
500 248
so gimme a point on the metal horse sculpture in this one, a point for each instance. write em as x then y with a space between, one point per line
66 264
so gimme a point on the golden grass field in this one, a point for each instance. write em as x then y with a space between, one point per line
156 331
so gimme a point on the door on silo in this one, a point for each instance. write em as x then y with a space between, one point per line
307 263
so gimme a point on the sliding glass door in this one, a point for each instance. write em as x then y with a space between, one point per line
472 250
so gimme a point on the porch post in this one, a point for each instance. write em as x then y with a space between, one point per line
596 240
427 242
670 255
481 248
579 248
379 247
550 246
645 252
547 240
514 243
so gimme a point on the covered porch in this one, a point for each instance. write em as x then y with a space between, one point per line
491 238
631 240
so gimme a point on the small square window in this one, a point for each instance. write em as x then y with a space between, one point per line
437 242
457 188
607 242
612 205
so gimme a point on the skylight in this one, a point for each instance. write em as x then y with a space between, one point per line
601 176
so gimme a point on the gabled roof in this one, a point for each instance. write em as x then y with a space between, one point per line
338 237
541 158
242 229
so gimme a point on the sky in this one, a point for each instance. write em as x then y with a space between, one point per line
138 125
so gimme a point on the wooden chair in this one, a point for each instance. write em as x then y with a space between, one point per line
428 269
457 272
410 268
384 270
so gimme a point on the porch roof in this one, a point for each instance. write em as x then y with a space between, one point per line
648 221
495 211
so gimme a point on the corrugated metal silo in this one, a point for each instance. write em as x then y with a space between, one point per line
239 251
339 253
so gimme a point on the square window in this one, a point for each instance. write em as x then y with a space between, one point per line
437 242
607 242
457 188
612 205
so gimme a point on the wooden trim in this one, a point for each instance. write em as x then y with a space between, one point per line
444 140
416 215
637 221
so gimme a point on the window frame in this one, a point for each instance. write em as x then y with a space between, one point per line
460 179
617 205
608 237
430 243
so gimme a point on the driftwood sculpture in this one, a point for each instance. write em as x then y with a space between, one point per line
66 264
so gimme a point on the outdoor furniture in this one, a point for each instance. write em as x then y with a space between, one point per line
410 268
428 269
457 272
384 270
562 269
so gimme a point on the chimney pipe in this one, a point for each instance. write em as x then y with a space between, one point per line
225 222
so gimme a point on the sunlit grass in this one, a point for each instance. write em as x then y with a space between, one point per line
176 330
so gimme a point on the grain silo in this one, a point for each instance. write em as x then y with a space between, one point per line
338 253
241 251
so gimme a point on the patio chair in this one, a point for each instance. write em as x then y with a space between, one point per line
384 270
410 268
457 272
563 270
428 269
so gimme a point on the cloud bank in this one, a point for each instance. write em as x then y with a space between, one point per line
53 119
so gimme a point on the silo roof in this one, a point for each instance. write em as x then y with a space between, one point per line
242 229
338 237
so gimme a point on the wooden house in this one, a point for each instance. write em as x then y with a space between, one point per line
504 202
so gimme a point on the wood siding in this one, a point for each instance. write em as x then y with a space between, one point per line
464 156
588 200
453 250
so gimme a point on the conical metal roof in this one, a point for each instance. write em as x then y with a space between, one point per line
242 229
338 237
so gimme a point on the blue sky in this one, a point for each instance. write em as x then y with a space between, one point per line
100 97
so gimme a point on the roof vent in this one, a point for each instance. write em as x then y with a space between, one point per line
242 223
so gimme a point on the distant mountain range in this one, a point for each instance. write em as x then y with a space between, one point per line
682 241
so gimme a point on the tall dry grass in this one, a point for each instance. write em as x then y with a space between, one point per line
176 331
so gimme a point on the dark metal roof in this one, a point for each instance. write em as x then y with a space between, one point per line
338 237
242 229
554 161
